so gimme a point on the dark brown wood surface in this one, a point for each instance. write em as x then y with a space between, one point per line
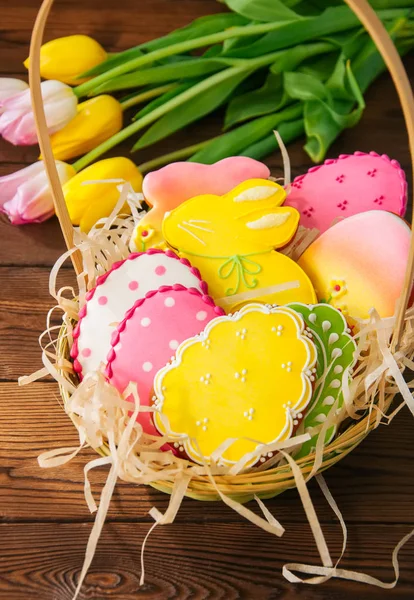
209 552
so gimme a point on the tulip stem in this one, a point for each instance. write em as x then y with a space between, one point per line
174 156
300 30
249 66
143 96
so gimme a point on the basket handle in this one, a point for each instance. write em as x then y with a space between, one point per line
385 46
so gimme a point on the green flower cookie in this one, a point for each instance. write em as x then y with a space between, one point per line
336 350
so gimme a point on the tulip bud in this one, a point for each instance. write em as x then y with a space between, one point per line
68 57
89 202
97 120
25 195
17 124
10 87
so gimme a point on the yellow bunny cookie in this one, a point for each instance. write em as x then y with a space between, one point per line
232 240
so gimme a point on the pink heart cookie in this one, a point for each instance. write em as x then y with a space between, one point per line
116 291
346 186
151 333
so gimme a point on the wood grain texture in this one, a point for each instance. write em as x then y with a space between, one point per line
194 560
209 552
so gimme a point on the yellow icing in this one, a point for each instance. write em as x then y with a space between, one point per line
232 240
246 376
152 237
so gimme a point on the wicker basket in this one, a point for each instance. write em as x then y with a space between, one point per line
262 483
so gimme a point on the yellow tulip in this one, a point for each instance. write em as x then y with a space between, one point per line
68 57
87 203
97 120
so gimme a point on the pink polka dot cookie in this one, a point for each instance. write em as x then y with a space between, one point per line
151 332
116 292
346 186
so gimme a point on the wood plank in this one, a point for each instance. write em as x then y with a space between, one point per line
92 19
24 303
32 421
197 561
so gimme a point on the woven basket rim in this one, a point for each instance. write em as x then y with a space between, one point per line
243 487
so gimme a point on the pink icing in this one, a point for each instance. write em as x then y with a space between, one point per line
149 335
133 285
346 186
168 187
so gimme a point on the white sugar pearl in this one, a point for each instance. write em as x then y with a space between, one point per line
169 302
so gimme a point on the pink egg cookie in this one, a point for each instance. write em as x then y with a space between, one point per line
170 186
116 291
346 186
151 332
360 263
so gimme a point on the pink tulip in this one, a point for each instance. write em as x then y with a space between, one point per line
17 124
10 87
25 195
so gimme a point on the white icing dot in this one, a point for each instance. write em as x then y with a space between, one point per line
251 410
273 329
321 418
250 417
201 315
329 400
270 454
326 325
244 372
338 369
289 369
312 317
169 302
283 366
334 337
181 449
176 445
173 344
147 367
243 379
245 414
295 422
237 375
289 363
280 327
204 428
146 322
335 383
244 331
336 353
300 415
205 420
198 423
262 460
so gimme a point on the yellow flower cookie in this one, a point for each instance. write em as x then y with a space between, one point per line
232 240
246 376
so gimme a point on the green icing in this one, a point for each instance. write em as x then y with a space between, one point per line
335 353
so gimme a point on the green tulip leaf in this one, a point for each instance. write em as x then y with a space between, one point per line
262 10
236 141
192 109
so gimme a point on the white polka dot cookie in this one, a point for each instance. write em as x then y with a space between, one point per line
151 332
247 377
116 292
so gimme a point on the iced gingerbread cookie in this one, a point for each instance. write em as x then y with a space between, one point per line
150 334
116 292
346 186
335 356
232 240
172 185
360 263
247 376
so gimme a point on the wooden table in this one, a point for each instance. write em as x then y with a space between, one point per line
209 552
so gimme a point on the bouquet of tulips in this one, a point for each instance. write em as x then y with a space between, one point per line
300 67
